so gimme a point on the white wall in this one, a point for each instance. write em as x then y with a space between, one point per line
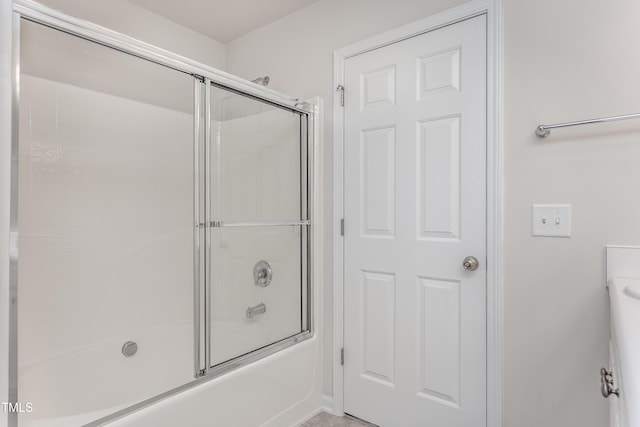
137 22
563 60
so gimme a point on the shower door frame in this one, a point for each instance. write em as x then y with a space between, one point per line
203 365
203 77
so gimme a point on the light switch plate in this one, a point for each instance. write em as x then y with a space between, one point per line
551 220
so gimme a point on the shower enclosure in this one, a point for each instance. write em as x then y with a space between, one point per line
163 219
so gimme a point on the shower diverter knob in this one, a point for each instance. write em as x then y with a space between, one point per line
262 274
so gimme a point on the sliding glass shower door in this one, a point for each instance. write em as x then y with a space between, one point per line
259 223
164 225
105 229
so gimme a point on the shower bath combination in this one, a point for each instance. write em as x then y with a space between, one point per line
164 222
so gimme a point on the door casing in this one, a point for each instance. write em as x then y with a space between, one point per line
492 9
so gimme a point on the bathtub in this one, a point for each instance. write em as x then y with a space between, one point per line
281 389
136 378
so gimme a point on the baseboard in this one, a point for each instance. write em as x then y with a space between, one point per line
307 417
327 404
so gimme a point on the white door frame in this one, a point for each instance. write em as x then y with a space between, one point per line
493 11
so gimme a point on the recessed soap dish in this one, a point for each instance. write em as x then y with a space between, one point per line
633 290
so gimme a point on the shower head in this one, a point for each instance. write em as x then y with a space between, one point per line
264 81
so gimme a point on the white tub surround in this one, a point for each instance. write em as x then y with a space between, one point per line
150 188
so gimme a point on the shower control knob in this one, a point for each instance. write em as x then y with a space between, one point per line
470 263
262 274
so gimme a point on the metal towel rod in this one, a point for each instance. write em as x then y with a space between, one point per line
544 130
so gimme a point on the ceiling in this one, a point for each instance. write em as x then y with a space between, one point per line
223 20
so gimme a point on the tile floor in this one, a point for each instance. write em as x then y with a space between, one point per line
324 419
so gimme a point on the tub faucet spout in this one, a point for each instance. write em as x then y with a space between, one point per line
257 309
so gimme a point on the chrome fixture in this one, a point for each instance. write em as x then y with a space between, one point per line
262 274
606 383
542 131
224 224
129 348
470 263
340 89
256 309
264 81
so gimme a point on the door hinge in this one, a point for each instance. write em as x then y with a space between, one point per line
340 89
342 356
342 227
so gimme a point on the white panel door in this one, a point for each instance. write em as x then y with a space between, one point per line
415 207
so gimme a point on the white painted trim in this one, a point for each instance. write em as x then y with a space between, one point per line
318 218
338 240
300 421
493 10
327 404
495 209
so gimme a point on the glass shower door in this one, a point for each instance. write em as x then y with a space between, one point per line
258 212
163 223
105 228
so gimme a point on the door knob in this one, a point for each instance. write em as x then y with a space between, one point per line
470 263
